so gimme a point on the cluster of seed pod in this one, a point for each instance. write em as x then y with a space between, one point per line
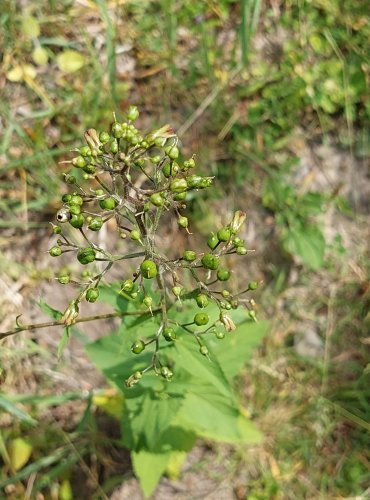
133 179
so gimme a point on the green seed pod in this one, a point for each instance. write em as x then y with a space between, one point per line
63 215
178 185
194 181
57 229
96 224
170 169
169 334
99 192
237 242
212 241
64 279
180 196
183 222
77 221
108 203
134 295
137 347
165 371
76 199
85 151
55 251
252 315
114 146
89 169
176 290
137 375
225 294
104 137
201 319
224 234
86 255
135 235
155 159
148 269
204 350
202 300
252 285
66 198
223 274
173 152
157 199
234 303
241 250
92 295
79 162
189 255
70 179
132 113
117 130
75 209
210 261
148 302
220 335
128 286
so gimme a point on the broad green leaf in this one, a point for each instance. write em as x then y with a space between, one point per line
70 61
110 295
149 468
148 415
213 417
19 453
235 350
306 241
11 408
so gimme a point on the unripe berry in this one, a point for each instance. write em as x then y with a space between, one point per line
79 162
55 251
86 255
135 235
85 151
104 137
157 199
108 203
132 113
178 185
64 279
169 334
75 209
176 290
204 350
137 347
117 130
57 229
76 199
223 274
210 261
173 152
252 285
128 286
189 255
66 198
77 221
148 301
183 222
241 250
114 146
212 241
148 269
201 319
224 234
92 295
95 224
202 300
220 335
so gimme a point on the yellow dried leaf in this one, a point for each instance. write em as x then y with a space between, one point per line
70 61
30 27
19 453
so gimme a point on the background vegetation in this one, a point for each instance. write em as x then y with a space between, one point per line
273 98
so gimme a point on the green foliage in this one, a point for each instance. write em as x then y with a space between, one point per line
299 235
163 418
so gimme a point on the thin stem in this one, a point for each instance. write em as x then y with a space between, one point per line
47 324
